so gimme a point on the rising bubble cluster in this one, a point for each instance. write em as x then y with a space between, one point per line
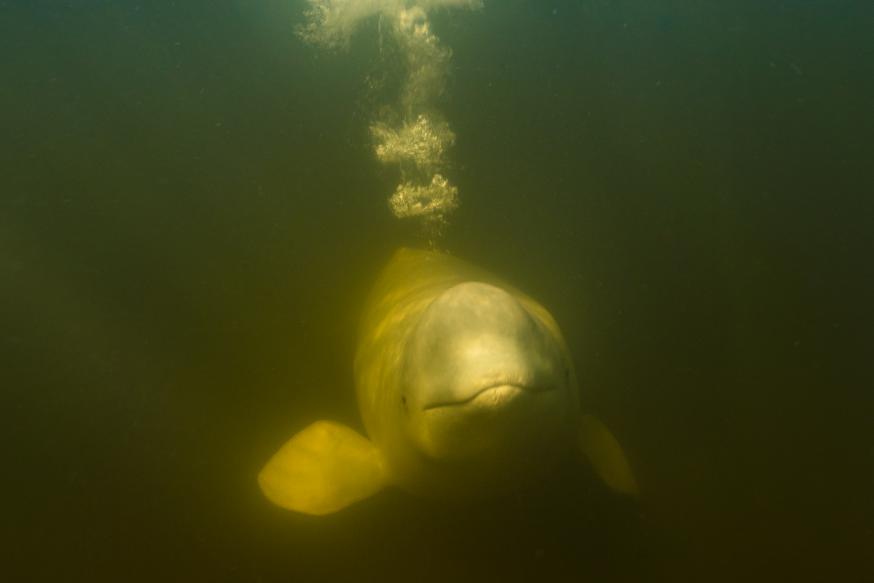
419 141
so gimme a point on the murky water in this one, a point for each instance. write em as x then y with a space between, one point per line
191 216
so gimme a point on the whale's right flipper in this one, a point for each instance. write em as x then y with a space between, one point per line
323 469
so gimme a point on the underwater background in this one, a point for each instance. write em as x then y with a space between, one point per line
191 217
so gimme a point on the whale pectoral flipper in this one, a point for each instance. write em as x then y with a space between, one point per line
606 455
324 468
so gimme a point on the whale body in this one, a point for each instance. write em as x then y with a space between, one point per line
464 385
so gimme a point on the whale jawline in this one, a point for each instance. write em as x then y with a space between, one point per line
497 387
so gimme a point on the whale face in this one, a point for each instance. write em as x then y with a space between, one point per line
483 378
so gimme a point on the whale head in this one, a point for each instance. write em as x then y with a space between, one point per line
484 378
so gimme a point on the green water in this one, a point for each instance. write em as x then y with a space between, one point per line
191 216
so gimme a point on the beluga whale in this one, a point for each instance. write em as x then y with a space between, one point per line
465 387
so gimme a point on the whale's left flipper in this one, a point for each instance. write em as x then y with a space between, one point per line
606 455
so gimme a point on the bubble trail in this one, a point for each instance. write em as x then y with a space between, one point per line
418 139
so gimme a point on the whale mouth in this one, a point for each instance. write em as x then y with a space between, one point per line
493 395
